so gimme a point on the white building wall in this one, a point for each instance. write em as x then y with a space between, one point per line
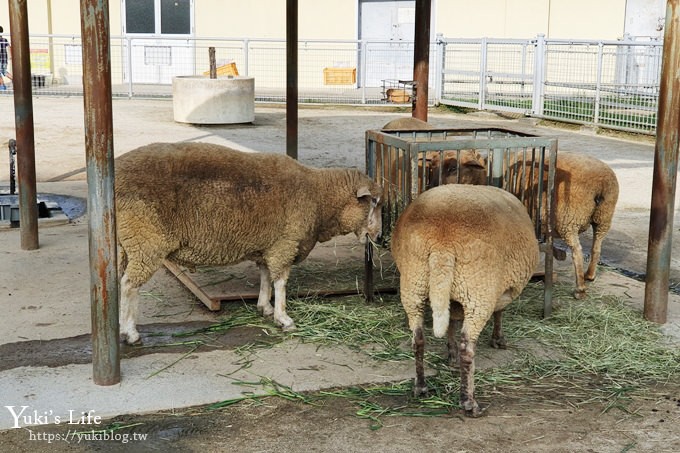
338 19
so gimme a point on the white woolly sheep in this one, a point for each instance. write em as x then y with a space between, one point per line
470 251
205 204
586 192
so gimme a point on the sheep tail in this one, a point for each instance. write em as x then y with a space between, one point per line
441 281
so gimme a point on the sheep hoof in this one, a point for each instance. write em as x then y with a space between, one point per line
265 310
131 339
580 294
420 391
474 410
499 343
289 328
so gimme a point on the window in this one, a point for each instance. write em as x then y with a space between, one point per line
164 17
139 16
175 15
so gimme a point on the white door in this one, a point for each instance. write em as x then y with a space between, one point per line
390 25
152 59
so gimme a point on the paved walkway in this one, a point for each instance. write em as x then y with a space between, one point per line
45 293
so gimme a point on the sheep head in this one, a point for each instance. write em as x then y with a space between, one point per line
471 166
370 202
362 215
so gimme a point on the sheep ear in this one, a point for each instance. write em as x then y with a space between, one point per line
474 163
363 191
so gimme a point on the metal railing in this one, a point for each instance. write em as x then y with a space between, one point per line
613 84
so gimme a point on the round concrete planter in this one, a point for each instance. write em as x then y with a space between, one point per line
224 100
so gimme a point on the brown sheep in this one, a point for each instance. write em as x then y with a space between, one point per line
472 169
586 192
205 204
470 251
407 124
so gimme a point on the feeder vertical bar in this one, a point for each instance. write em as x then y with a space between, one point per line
665 172
23 117
371 150
421 58
549 227
100 187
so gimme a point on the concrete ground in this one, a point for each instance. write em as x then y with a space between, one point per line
44 294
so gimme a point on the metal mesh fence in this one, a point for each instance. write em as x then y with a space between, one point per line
605 83
611 84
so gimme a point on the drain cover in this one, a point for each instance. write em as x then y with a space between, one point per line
52 209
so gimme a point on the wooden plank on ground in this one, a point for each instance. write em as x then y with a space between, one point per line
333 268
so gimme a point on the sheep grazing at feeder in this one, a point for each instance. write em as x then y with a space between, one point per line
586 192
472 169
470 251
204 204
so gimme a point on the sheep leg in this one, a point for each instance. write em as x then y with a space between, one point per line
281 318
264 305
413 295
419 385
452 341
598 236
574 244
467 376
129 309
475 319
497 338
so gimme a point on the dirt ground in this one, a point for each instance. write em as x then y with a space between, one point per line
534 419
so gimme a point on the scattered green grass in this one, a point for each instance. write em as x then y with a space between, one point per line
595 350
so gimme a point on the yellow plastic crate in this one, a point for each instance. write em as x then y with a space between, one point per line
339 76
226 69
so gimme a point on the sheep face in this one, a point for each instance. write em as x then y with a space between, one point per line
368 215
472 169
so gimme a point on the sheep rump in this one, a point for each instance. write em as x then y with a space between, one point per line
204 204
586 193
470 250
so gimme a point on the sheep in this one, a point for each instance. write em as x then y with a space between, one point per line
586 192
472 169
408 124
470 251
205 204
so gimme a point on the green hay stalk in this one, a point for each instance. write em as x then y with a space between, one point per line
597 350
